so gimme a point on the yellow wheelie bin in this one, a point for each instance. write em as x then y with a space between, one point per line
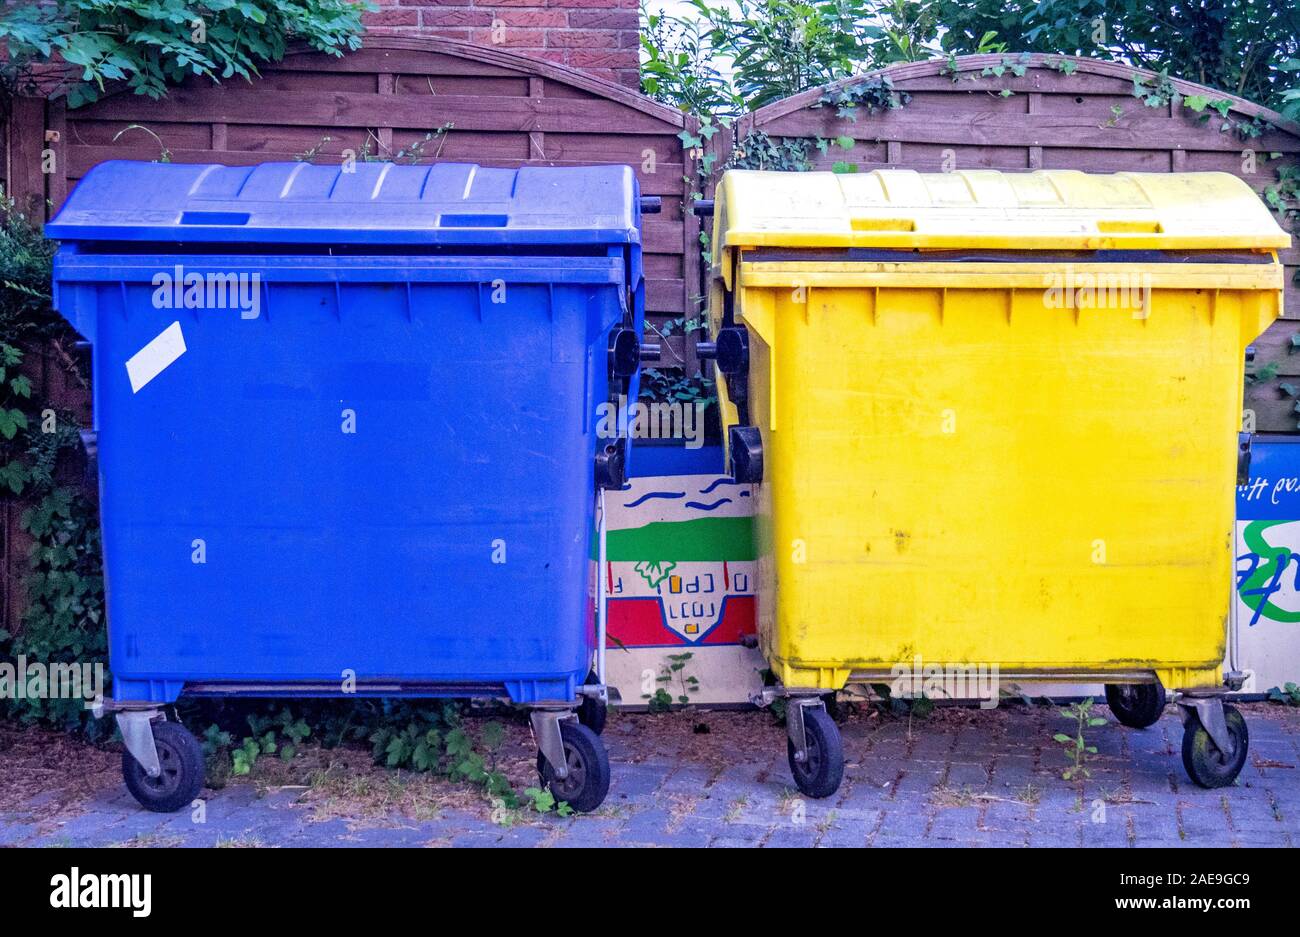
992 425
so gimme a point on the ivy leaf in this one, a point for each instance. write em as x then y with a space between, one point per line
422 758
14 476
493 735
11 421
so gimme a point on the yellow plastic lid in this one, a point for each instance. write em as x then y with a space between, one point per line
1042 210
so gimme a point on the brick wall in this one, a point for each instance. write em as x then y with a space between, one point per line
598 37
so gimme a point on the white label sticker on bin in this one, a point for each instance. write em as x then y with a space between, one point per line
156 357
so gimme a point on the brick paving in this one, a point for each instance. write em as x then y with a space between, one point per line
960 778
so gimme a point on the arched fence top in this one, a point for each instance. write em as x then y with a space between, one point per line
511 62
1045 72
380 48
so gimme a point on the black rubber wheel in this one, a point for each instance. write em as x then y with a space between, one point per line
593 713
588 779
1136 705
1205 763
181 758
819 775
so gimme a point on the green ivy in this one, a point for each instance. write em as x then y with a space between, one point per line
876 93
1159 91
1283 196
759 151
63 621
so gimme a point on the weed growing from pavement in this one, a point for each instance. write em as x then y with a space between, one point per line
1077 749
672 677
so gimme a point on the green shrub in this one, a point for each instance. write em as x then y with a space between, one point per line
152 43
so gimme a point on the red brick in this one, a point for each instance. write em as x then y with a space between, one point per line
461 17
547 18
391 18
587 59
548 55
600 37
604 19
511 38
581 39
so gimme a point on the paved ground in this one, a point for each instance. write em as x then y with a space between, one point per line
958 778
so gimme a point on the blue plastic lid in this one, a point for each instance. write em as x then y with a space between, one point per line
372 203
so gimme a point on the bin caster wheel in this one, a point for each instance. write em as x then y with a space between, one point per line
593 713
181 759
587 783
1136 705
1205 763
820 773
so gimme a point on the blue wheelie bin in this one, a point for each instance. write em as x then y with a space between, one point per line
351 427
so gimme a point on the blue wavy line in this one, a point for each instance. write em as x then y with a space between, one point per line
707 507
717 482
656 494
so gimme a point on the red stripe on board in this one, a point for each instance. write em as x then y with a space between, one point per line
638 622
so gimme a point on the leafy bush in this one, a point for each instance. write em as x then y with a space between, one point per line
729 58
150 43
678 66
63 622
